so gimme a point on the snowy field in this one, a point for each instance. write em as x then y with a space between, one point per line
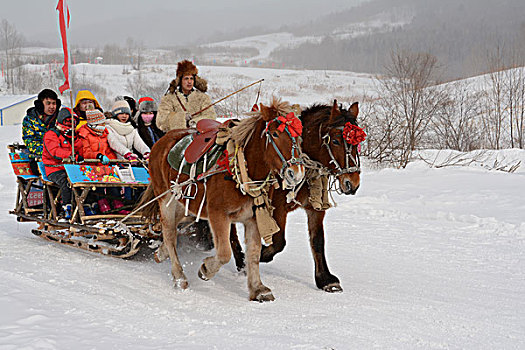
429 258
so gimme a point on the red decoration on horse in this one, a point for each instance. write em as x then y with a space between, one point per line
292 123
353 134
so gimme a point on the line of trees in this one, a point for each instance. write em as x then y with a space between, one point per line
415 112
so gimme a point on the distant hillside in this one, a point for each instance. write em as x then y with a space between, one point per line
458 33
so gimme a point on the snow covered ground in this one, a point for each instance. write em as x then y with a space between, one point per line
428 258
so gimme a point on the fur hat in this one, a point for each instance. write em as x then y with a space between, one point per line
120 106
147 105
188 68
95 117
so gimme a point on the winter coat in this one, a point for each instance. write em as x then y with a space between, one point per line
93 143
34 126
149 134
123 137
171 115
56 148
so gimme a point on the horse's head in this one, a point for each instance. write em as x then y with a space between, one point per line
341 137
283 131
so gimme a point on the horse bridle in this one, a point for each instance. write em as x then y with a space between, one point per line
348 156
295 147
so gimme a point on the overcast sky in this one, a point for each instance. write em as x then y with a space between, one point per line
159 22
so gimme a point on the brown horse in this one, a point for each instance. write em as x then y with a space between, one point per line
224 203
331 153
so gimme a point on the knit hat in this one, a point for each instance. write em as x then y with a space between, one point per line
64 117
119 107
95 117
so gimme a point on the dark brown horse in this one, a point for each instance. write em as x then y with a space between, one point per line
334 154
224 203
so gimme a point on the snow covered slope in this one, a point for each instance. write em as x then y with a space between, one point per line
428 258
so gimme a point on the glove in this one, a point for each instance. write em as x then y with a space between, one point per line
146 156
103 159
131 157
188 117
68 160
80 159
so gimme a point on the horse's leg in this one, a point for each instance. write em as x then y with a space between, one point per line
170 217
258 291
238 255
323 278
278 239
161 253
220 227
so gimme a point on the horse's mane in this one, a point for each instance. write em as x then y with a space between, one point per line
243 131
314 115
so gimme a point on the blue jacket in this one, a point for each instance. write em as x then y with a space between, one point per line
33 129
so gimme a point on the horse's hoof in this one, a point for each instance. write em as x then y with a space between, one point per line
158 256
263 297
333 288
181 283
262 294
202 273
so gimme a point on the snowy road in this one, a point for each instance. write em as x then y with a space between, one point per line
428 258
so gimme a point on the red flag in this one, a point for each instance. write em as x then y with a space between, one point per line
62 8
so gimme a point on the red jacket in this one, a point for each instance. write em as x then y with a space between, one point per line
56 148
93 144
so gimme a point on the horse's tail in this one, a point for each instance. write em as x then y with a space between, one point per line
151 210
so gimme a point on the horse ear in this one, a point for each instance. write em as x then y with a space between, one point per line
334 113
266 113
354 109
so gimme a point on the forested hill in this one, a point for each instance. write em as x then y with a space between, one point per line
459 33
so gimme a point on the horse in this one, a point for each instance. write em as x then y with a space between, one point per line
332 151
223 200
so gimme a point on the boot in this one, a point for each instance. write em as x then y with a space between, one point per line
94 207
118 204
103 205
67 211
88 210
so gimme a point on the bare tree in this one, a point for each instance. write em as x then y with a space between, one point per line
410 98
236 105
134 51
514 88
10 41
495 98
138 86
457 126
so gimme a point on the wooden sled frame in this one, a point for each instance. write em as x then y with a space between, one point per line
97 233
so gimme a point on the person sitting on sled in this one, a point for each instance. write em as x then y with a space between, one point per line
58 150
37 122
94 136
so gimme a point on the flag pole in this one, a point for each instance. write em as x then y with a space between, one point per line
64 17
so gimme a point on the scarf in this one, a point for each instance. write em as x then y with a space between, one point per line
122 129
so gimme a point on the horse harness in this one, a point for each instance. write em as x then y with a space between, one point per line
348 156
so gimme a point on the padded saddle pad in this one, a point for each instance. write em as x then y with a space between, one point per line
176 155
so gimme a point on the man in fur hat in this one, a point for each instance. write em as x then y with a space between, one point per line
185 96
